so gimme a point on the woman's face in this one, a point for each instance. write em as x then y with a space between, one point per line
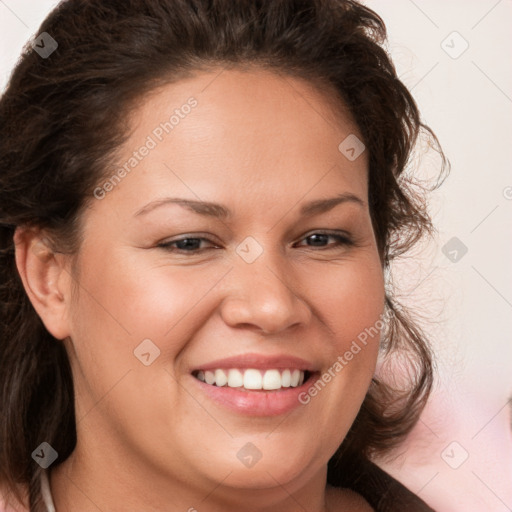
268 274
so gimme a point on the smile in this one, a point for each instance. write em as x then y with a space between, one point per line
253 379
255 392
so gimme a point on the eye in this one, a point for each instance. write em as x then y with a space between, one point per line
191 244
186 245
321 239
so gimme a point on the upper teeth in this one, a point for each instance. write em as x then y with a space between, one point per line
253 379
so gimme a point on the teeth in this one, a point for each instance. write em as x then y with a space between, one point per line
221 378
253 379
295 378
272 379
286 379
235 379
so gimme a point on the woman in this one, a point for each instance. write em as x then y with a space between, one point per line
200 202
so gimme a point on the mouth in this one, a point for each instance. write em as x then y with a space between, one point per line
254 379
256 392
256 384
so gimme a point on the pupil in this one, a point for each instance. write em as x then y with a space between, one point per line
318 239
188 243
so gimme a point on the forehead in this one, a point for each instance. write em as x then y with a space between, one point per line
240 136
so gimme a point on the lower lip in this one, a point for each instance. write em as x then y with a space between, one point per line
257 403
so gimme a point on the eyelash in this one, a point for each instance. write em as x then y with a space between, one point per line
343 240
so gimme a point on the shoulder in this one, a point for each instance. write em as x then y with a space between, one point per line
9 503
339 499
378 488
6 507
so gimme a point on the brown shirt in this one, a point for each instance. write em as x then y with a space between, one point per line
383 492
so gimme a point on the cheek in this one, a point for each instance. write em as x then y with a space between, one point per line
348 297
119 306
349 301
140 299
122 305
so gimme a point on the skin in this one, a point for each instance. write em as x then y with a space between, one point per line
148 438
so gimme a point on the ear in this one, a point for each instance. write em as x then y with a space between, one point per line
46 279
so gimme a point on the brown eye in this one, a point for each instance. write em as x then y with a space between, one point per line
188 244
318 239
322 240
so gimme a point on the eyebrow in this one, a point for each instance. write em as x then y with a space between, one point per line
324 205
217 210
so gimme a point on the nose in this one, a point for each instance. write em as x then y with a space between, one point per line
263 296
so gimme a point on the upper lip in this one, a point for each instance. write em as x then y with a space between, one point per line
259 362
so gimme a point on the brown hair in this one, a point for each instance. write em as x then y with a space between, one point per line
63 117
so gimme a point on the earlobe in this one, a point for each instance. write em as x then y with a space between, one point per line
45 279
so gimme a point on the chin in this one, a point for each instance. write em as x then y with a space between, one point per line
254 468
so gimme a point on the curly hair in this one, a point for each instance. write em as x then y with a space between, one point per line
62 118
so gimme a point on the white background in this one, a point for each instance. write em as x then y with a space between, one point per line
468 103
468 304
